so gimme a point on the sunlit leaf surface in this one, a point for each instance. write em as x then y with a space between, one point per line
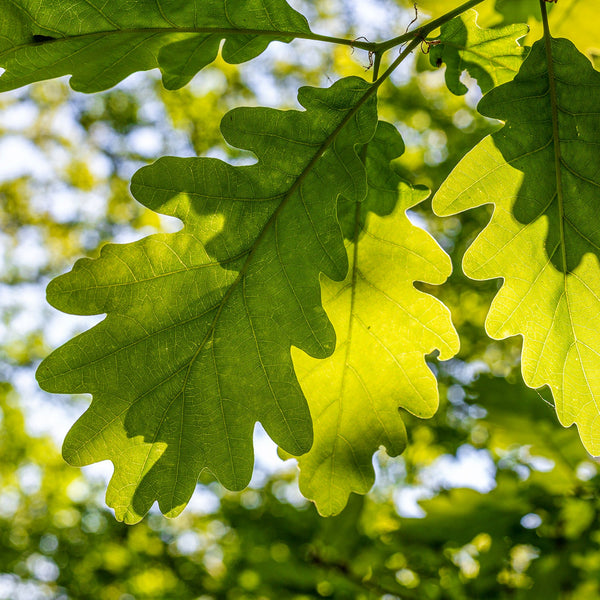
384 326
196 345
492 56
100 43
542 172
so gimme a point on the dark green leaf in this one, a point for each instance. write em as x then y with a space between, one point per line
196 345
100 43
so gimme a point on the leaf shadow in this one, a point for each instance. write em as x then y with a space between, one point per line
560 179
448 52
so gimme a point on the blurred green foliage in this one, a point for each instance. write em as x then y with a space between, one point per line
536 534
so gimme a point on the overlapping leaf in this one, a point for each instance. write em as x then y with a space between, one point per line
575 20
492 56
196 345
384 328
100 43
542 172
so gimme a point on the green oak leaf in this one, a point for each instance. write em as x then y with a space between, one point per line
195 348
100 43
492 56
520 12
575 20
384 326
542 172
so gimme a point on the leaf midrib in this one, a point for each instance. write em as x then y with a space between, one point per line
558 162
223 31
187 367
226 31
272 219
554 108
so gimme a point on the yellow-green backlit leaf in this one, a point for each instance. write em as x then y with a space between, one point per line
384 327
492 56
542 172
576 20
